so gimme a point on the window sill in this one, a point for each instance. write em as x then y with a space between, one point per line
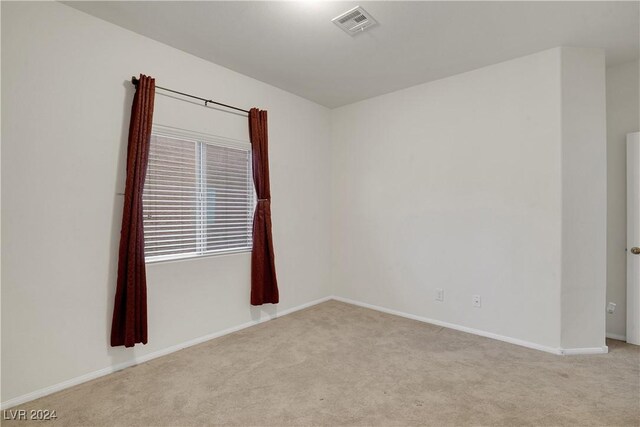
189 257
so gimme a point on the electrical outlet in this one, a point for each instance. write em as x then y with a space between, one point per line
440 294
477 302
611 307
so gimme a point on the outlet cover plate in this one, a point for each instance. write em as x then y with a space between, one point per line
477 301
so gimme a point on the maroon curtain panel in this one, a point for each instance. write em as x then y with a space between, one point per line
129 324
264 285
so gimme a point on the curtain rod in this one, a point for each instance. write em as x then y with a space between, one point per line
135 80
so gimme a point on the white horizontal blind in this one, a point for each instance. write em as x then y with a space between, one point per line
228 202
198 197
170 198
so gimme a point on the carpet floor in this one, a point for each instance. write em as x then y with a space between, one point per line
337 364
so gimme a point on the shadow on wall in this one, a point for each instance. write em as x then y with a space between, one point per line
116 354
271 310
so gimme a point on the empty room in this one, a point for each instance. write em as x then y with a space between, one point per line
331 213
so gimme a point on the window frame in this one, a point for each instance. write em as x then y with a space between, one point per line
200 139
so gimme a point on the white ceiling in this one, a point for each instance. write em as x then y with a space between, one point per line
294 45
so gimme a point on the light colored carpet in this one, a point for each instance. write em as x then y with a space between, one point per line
337 364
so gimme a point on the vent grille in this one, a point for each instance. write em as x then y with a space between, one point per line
351 15
354 21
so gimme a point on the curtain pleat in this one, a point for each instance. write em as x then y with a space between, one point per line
129 325
264 285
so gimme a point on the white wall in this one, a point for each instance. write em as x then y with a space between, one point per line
623 117
584 198
65 109
454 184
458 184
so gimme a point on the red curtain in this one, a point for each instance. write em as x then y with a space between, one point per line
264 285
129 324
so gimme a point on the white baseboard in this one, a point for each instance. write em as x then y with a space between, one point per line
616 337
144 358
588 350
516 341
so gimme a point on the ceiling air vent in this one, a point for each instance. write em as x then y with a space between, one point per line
354 21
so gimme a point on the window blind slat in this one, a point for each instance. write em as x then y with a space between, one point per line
155 183
194 234
179 222
191 240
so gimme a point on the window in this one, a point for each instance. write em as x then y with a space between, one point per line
198 196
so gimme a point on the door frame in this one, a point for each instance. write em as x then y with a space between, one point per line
633 238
